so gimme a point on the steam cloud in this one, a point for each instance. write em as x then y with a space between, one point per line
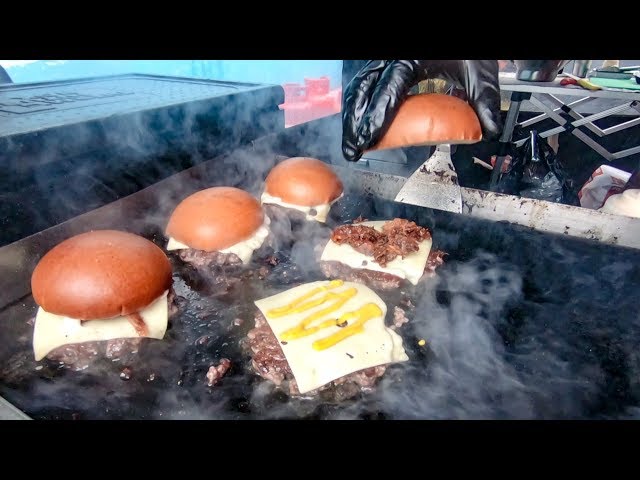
482 359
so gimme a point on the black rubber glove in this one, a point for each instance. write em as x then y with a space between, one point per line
373 96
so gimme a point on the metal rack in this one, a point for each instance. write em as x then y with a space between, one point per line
628 103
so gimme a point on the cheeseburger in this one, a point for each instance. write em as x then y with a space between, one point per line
325 338
217 226
432 119
383 254
304 184
99 292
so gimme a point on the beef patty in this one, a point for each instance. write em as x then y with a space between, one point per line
269 361
78 356
378 280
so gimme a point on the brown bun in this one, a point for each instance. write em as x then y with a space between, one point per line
432 119
100 274
303 181
215 218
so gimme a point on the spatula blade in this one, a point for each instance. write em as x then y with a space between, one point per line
434 184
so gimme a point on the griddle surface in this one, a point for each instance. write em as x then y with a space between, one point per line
518 324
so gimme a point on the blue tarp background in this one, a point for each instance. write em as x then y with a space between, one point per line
259 71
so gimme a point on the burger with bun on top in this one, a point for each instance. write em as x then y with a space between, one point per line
303 184
217 226
99 293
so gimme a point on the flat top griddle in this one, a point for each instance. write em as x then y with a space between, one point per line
518 324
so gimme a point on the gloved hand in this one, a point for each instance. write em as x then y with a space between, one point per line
372 98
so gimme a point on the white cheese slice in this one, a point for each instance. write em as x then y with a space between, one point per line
410 267
376 345
53 331
244 250
322 211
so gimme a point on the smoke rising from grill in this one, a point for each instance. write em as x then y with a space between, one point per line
64 172
517 324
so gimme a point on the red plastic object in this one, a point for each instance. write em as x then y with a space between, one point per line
568 81
314 99
505 163
316 86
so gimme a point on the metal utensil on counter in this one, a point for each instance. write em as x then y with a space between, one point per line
534 148
539 70
581 68
434 184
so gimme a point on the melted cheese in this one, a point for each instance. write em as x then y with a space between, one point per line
411 267
322 211
244 250
370 343
53 331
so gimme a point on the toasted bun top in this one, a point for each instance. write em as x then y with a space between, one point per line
303 181
100 274
432 119
215 218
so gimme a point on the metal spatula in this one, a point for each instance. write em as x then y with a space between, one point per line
434 184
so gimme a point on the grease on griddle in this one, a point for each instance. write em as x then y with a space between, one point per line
126 373
238 322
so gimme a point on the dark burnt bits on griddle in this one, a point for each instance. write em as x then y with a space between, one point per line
398 238
399 317
434 261
272 260
126 373
267 264
216 372
282 271
342 324
237 322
